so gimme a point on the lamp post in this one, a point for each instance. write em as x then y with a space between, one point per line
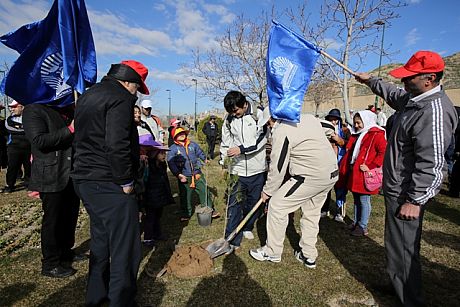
380 23
194 119
169 114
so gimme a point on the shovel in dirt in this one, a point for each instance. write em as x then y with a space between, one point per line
222 245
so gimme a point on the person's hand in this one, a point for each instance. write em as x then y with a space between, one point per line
182 178
128 189
144 158
264 197
362 77
364 168
206 161
71 126
233 152
409 212
335 137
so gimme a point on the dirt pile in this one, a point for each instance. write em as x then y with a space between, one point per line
189 261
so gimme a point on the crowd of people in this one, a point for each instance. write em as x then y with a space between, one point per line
108 151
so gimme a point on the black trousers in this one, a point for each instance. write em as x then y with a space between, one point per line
211 146
454 187
17 157
152 223
115 248
60 214
402 249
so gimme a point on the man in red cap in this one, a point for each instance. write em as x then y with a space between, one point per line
106 159
414 163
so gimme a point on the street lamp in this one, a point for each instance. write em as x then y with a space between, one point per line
196 86
380 23
169 117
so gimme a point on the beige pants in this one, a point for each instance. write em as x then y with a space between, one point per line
307 197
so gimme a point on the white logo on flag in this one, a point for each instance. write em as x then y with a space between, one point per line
284 70
52 73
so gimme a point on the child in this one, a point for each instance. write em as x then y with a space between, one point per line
185 161
157 190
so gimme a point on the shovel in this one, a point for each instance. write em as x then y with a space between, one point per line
222 246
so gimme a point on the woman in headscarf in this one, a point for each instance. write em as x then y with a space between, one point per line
365 151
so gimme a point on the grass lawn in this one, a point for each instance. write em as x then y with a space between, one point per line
350 271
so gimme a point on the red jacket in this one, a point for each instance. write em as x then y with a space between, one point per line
350 176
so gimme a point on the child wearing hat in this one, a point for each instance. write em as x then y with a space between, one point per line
157 192
185 160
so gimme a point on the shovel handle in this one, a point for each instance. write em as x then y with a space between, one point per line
244 221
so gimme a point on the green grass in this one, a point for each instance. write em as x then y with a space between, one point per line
349 270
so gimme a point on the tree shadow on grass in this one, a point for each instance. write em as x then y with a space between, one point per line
441 239
73 294
13 293
444 211
362 257
232 287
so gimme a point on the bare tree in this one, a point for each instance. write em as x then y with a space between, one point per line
237 64
352 25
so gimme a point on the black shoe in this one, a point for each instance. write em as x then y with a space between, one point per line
79 257
306 261
59 272
6 190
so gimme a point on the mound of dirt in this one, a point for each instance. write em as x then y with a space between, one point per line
189 261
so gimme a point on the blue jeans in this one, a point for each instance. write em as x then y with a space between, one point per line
244 195
362 209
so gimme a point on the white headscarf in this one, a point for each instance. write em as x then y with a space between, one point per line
369 119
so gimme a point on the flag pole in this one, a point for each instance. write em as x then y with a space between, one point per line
337 62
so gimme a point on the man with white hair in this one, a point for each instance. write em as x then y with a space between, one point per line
152 120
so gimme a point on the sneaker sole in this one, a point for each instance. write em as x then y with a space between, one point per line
256 256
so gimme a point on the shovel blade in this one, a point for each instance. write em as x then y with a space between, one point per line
218 248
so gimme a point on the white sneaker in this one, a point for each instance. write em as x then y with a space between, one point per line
248 235
260 255
324 214
339 218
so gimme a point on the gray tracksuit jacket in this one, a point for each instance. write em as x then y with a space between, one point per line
414 163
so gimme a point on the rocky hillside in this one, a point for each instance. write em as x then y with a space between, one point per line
451 77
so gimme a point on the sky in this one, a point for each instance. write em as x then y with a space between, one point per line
162 34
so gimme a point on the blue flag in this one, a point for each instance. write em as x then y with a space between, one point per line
290 64
57 56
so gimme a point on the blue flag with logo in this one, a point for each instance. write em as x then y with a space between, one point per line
57 56
290 63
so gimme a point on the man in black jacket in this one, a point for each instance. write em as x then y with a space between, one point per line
106 159
49 131
18 148
210 129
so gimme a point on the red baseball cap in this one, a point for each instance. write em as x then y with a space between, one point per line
421 62
142 71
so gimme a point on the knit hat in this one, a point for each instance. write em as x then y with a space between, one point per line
178 130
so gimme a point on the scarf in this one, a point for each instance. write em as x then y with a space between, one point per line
369 121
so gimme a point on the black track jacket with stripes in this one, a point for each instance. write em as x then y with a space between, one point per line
414 165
